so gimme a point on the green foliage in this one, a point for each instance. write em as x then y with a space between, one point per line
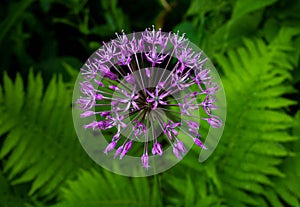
10 20
253 143
219 25
249 159
8 195
243 7
40 145
106 189
287 188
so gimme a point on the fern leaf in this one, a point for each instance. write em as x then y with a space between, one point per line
252 146
191 191
40 144
287 188
105 189
256 139
7 196
243 7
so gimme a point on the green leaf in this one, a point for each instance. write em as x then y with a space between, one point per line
40 135
93 188
13 17
243 7
253 153
256 77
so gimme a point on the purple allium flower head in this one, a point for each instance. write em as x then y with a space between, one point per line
134 101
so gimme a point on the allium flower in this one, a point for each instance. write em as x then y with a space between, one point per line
134 100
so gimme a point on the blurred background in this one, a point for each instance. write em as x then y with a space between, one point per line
255 46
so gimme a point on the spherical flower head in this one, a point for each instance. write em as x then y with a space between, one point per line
152 88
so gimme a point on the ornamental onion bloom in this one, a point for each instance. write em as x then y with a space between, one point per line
148 88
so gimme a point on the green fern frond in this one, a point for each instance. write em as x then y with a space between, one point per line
252 146
107 189
8 197
191 190
287 188
40 144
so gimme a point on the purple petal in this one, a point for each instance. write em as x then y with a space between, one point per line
145 161
199 143
98 82
126 148
92 125
119 150
86 114
164 95
128 145
162 102
154 105
114 103
193 125
177 153
174 132
116 136
135 106
180 146
194 94
115 88
157 149
129 79
111 76
148 72
203 77
150 94
161 84
169 134
104 113
99 97
175 125
214 121
110 147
